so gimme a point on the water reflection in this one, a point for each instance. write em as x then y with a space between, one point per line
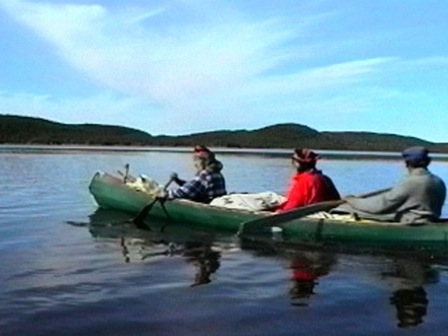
205 260
196 248
407 278
306 268
411 305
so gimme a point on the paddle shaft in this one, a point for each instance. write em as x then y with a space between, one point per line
285 217
370 194
139 218
126 177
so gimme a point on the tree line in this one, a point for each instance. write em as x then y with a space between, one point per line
28 130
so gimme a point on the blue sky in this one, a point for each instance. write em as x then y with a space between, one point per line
184 66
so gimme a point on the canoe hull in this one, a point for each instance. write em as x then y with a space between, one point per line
389 236
110 192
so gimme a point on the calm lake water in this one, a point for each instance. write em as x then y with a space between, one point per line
70 269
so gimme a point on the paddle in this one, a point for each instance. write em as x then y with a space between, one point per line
139 218
284 217
126 176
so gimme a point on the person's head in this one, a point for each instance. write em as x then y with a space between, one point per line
416 157
202 157
304 159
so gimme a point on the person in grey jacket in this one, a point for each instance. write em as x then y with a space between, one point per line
418 198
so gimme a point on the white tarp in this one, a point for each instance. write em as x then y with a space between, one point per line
254 202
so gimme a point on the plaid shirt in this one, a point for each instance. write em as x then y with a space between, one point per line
203 188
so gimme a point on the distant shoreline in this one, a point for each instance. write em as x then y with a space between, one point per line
271 152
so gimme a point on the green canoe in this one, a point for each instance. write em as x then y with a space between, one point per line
111 192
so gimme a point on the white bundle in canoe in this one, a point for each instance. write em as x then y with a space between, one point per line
146 185
267 200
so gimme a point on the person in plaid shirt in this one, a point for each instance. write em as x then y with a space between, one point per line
208 183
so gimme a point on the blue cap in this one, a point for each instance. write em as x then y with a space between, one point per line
416 155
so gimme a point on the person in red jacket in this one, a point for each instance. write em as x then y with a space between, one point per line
308 185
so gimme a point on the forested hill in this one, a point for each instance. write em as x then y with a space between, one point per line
27 130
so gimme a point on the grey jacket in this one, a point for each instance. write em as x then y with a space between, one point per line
418 198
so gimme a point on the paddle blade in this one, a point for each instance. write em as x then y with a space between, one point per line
140 217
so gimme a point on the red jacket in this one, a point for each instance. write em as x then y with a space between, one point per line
307 188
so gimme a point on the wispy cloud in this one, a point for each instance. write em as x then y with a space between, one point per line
139 17
232 68
176 66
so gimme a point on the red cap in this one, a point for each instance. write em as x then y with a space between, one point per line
202 151
304 155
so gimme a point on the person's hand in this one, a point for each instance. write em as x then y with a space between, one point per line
174 177
162 195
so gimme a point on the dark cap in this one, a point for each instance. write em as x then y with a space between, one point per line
416 155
